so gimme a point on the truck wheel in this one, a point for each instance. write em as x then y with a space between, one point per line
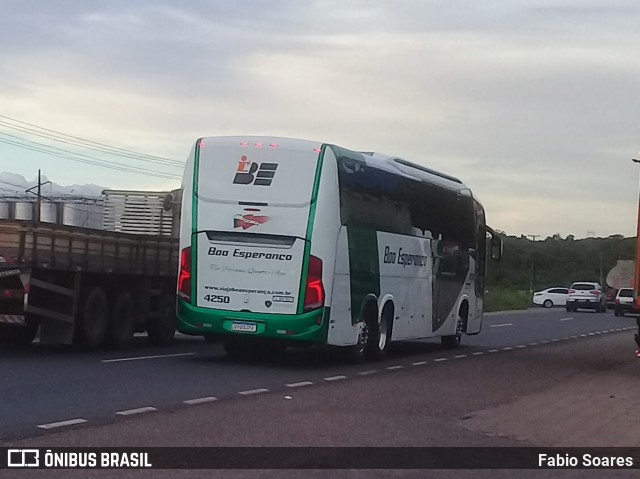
162 328
92 325
122 323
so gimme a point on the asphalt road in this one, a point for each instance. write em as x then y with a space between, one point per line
46 388
578 391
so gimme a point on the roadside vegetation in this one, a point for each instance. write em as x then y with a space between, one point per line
502 299
534 265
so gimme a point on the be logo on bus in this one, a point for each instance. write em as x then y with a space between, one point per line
249 173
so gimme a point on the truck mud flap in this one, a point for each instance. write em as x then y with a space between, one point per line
13 319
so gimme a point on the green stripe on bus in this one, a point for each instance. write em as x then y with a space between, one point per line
194 222
312 215
364 267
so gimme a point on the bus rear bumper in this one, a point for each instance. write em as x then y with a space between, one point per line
308 327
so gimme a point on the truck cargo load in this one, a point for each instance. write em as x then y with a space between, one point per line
84 286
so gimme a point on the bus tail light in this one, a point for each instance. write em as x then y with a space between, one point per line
314 297
184 278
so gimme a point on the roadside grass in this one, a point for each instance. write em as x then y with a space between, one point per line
503 299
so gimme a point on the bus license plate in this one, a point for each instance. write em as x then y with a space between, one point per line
244 327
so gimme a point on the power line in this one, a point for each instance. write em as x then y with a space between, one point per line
133 156
95 162
83 140
42 145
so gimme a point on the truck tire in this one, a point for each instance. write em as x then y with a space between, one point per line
162 328
94 318
122 323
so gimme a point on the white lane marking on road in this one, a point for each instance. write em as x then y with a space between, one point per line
440 359
566 319
251 392
335 378
520 346
200 400
508 348
138 410
501 325
533 344
70 422
478 353
300 384
460 356
554 340
494 350
418 363
138 358
366 373
391 368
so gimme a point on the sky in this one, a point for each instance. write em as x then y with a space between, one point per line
534 104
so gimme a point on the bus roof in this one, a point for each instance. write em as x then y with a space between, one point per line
391 164
415 171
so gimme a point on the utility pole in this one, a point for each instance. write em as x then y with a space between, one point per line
39 195
39 200
533 256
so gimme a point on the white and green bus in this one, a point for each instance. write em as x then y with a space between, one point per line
288 242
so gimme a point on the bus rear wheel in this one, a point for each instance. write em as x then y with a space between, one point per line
238 347
162 328
380 336
453 341
359 352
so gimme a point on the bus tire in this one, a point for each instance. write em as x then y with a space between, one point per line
93 321
274 350
236 348
122 322
380 334
162 328
453 341
359 352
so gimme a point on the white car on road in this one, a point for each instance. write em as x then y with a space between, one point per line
551 297
586 295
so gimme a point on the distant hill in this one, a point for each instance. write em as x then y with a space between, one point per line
12 184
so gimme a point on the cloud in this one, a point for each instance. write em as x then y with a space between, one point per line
530 103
